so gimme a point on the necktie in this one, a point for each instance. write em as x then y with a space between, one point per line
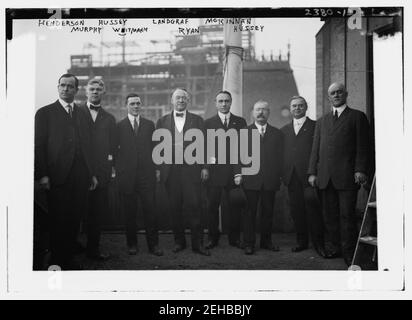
135 126
180 114
225 123
70 110
335 116
94 107
262 132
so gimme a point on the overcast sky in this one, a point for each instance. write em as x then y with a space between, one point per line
55 45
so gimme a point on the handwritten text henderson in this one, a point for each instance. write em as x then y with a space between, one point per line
194 153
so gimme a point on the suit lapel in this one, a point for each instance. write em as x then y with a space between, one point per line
218 122
61 110
128 126
329 122
290 130
302 129
232 122
100 115
170 122
188 121
86 110
342 118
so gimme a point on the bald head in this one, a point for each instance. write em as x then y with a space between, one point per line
337 94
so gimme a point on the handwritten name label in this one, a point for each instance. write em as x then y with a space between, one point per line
59 23
87 29
238 24
228 21
170 21
123 31
112 22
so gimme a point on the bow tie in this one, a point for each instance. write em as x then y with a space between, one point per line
180 114
94 107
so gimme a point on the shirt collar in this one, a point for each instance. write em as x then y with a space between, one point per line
339 109
223 116
184 113
300 121
65 104
131 118
260 126
89 104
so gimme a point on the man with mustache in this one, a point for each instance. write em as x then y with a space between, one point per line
263 185
338 165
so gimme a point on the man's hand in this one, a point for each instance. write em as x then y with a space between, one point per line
94 184
238 179
360 178
313 180
157 176
204 175
44 183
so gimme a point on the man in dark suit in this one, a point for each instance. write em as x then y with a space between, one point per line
102 128
303 199
135 172
265 183
183 180
221 175
338 165
64 167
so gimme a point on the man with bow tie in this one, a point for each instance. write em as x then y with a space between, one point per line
64 167
183 180
263 185
221 175
102 129
135 173
303 199
338 165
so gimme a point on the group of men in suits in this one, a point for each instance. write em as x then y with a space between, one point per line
79 149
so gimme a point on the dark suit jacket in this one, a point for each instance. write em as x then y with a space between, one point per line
297 151
54 142
102 133
134 155
339 150
271 161
192 172
222 174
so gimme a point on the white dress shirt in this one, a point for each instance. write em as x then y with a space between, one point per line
262 129
224 117
339 109
298 123
66 105
131 119
93 113
179 121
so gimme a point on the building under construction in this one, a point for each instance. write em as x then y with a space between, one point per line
194 62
